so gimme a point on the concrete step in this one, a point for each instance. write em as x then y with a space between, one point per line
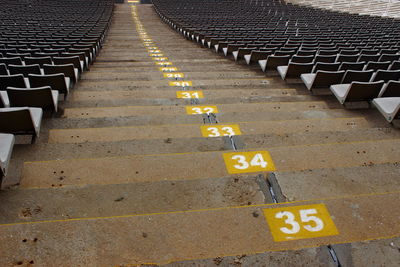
101 112
161 238
186 166
112 134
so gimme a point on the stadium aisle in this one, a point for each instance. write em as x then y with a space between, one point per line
164 155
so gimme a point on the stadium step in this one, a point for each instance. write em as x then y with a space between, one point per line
160 238
126 177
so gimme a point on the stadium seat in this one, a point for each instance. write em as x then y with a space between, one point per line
6 147
42 97
25 121
56 81
390 89
272 62
322 79
356 91
67 69
24 69
389 107
357 76
16 80
294 70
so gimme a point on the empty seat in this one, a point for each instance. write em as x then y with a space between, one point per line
56 81
68 70
357 76
16 80
301 59
322 79
356 91
368 57
78 64
347 58
25 121
272 62
4 102
389 57
11 61
385 75
352 66
3 69
41 97
6 147
389 107
373 65
391 89
395 65
325 58
38 60
24 69
326 66
294 70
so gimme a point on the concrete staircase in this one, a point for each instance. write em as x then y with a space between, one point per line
126 177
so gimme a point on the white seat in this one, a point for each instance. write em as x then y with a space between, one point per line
388 106
4 99
341 91
308 79
263 64
6 146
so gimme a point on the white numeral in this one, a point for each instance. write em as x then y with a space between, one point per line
257 160
305 217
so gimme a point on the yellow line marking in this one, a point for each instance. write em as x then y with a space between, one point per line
201 210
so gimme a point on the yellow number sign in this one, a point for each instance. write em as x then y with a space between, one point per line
174 75
160 58
220 130
201 109
181 83
245 162
299 222
164 63
189 94
168 69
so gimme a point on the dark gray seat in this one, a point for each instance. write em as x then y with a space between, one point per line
56 81
390 89
373 65
325 58
75 60
272 62
357 76
41 97
386 75
347 58
68 70
322 79
11 61
38 60
326 66
24 69
3 69
356 91
25 121
389 57
16 80
294 70
352 66
395 65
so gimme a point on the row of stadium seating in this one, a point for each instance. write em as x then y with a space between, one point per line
44 48
356 56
